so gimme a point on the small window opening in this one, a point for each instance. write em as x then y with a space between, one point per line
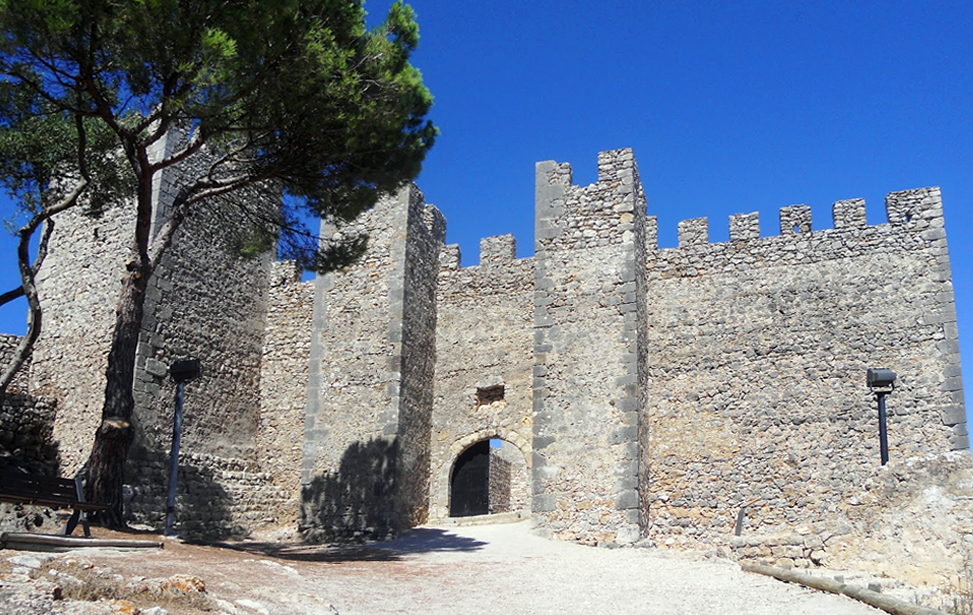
489 395
797 228
907 218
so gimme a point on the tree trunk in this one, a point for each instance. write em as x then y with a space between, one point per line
106 465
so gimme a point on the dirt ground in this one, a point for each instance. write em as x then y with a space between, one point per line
481 569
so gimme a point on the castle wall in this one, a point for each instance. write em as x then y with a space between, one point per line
367 430
283 386
26 422
8 348
758 349
586 352
415 357
204 302
638 391
484 358
26 425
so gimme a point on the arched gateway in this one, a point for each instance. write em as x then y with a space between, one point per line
488 477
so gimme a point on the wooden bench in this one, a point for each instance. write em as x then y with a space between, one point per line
18 487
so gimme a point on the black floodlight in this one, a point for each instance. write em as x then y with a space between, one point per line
184 371
880 378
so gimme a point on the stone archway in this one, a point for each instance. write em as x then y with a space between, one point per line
511 471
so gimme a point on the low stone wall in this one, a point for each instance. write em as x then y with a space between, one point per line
8 346
802 551
26 424
216 497
913 521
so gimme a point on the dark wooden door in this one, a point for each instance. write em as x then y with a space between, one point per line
469 487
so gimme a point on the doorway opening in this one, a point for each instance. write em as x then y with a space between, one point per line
469 486
489 477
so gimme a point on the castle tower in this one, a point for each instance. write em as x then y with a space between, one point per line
588 370
367 433
203 302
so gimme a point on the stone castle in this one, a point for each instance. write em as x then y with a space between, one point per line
612 391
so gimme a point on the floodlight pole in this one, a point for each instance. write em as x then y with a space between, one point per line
174 458
181 372
883 431
881 382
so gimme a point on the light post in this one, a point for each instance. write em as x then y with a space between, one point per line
881 382
182 372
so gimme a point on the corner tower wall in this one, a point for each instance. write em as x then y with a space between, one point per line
201 302
78 288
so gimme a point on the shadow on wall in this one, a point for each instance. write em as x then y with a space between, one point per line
356 502
26 434
203 505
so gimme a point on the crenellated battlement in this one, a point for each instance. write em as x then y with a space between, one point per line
588 217
579 217
495 252
908 213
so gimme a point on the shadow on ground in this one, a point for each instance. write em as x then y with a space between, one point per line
413 542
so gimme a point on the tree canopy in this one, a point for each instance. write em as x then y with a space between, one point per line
293 91
293 97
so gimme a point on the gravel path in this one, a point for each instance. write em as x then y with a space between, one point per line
468 570
505 569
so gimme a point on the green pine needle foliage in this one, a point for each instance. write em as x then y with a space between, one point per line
293 94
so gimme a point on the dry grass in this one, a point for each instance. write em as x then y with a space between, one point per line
79 580
957 600
963 596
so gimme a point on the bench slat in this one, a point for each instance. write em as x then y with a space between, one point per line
54 491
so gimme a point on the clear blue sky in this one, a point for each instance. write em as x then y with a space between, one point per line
730 107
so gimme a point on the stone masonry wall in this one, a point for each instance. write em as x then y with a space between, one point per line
586 355
484 343
345 448
26 425
79 285
26 422
758 353
367 430
509 480
283 385
8 347
417 365
204 302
